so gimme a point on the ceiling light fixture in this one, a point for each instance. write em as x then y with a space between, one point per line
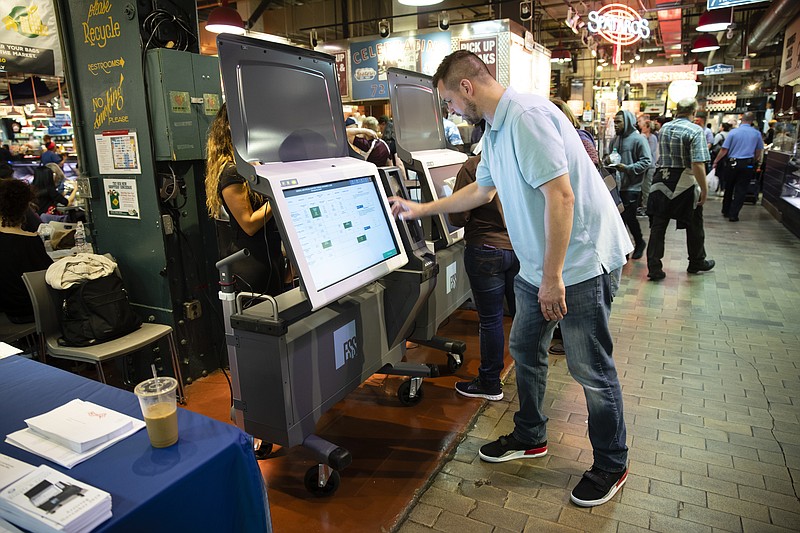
705 43
224 19
715 20
560 56
649 61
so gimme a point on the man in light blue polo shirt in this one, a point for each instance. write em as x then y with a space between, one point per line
571 243
744 147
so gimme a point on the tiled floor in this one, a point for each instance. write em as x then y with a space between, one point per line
711 381
710 368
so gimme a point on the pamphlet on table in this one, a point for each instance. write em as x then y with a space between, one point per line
74 432
45 500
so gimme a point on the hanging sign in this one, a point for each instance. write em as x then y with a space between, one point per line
790 61
618 24
664 74
721 102
721 4
716 70
372 59
29 38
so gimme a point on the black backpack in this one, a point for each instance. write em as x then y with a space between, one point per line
96 311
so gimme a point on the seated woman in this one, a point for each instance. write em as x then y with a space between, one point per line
22 251
47 196
250 223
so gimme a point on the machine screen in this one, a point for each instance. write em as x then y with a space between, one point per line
342 228
443 180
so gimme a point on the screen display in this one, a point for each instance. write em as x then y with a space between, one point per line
394 179
341 227
444 180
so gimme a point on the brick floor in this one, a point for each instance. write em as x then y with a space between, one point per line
710 373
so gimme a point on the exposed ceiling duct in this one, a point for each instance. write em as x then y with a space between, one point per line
773 21
777 17
669 24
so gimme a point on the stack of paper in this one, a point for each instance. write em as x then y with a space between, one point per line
80 425
74 432
45 500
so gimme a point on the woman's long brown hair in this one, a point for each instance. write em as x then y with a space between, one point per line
219 154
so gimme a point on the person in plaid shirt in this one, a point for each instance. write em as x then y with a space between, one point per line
679 191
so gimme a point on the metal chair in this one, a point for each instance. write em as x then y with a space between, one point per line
45 309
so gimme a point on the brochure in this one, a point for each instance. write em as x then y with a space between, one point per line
46 500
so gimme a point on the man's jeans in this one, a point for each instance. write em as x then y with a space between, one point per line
491 274
587 341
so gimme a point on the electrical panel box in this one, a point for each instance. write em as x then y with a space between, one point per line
185 94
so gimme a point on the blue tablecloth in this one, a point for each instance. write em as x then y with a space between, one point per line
208 481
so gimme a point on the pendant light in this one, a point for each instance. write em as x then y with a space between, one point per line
13 111
705 43
715 20
224 19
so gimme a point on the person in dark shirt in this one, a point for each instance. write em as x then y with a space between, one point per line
250 222
373 149
50 155
22 251
491 266
5 154
32 220
47 195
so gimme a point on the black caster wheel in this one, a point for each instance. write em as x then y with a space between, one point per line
404 394
454 362
312 484
263 450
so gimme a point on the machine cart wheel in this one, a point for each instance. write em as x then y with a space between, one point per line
322 480
410 392
454 361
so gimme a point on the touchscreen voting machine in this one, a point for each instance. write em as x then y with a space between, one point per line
432 167
295 355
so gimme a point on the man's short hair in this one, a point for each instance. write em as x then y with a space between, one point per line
686 107
458 66
383 119
748 117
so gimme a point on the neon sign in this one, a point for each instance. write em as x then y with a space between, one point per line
618 24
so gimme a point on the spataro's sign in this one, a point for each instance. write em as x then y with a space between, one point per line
618 24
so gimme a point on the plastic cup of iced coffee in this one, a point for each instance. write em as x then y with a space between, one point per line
157 399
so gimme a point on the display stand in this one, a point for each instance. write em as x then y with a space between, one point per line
363 279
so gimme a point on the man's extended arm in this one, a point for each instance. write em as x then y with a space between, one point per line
464 199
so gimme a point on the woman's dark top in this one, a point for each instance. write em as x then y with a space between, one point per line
264 269
22 253
485 224
47 197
